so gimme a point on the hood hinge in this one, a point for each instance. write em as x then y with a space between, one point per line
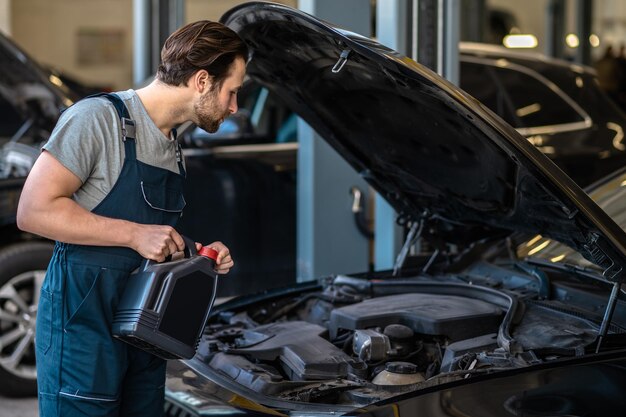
604 256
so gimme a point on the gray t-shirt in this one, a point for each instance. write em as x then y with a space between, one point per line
87 140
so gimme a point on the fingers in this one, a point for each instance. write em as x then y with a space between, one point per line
178 240
172 248
158 242
172 242
224 260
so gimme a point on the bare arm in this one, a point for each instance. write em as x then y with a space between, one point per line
47 209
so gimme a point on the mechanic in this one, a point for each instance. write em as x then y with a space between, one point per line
109 191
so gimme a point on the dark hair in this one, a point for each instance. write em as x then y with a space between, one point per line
200 45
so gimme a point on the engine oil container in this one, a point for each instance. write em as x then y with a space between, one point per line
165 306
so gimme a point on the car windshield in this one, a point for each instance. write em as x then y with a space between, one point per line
610 196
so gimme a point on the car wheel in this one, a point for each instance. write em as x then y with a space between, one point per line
22 270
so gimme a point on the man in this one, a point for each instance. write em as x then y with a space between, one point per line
108 188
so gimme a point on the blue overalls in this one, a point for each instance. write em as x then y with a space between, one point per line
81 369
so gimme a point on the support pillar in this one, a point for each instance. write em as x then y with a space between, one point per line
153 22
584 10
431 37
167 16
396 28
141 41
327 237
555 28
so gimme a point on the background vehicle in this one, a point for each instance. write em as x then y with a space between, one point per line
29 107
557 105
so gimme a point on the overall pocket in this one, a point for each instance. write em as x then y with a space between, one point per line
43 330
162 198
93 363
80 286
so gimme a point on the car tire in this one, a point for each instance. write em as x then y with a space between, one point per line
22 269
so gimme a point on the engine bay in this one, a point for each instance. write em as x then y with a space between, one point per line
353 341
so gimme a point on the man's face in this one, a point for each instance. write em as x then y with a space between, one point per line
218 103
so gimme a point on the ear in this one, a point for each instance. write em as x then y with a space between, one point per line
201 81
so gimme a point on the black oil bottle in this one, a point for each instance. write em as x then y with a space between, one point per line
165 306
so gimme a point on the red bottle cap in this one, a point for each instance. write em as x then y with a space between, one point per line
208 252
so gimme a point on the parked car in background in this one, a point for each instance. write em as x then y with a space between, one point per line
72 86
558 106
29 107
541 336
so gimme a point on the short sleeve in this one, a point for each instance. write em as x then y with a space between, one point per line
79 136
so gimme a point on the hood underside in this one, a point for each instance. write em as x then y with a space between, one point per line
429 148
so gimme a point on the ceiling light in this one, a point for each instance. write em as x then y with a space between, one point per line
572 40
520 41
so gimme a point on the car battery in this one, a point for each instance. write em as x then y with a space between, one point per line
165 306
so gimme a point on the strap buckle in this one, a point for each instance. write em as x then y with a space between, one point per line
128 128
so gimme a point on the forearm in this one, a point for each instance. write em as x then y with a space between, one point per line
64 220
46 208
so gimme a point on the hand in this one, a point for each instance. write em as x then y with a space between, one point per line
157 242
224 261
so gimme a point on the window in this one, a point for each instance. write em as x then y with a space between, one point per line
520 96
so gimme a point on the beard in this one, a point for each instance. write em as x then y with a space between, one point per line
209 115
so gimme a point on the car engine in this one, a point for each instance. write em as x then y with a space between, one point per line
355 341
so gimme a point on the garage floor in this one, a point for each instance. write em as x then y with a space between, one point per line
18 407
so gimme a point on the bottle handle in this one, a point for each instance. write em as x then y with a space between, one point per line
189 251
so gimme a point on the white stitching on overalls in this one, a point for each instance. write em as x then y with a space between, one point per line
67 394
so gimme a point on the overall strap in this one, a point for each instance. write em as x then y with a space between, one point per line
127 124
179 154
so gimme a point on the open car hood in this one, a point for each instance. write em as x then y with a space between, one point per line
429 148
26 86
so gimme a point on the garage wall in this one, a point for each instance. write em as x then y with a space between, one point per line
610 22
5 16
526 13
213 9
48 30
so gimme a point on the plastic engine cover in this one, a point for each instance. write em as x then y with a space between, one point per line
303 354
453 316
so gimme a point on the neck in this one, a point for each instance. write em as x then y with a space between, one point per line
167 106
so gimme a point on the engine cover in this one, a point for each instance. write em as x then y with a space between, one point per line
300 348
452 316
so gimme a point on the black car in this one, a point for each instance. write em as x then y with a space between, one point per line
255 159
471 330
558 106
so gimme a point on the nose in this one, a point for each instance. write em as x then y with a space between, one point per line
232 107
